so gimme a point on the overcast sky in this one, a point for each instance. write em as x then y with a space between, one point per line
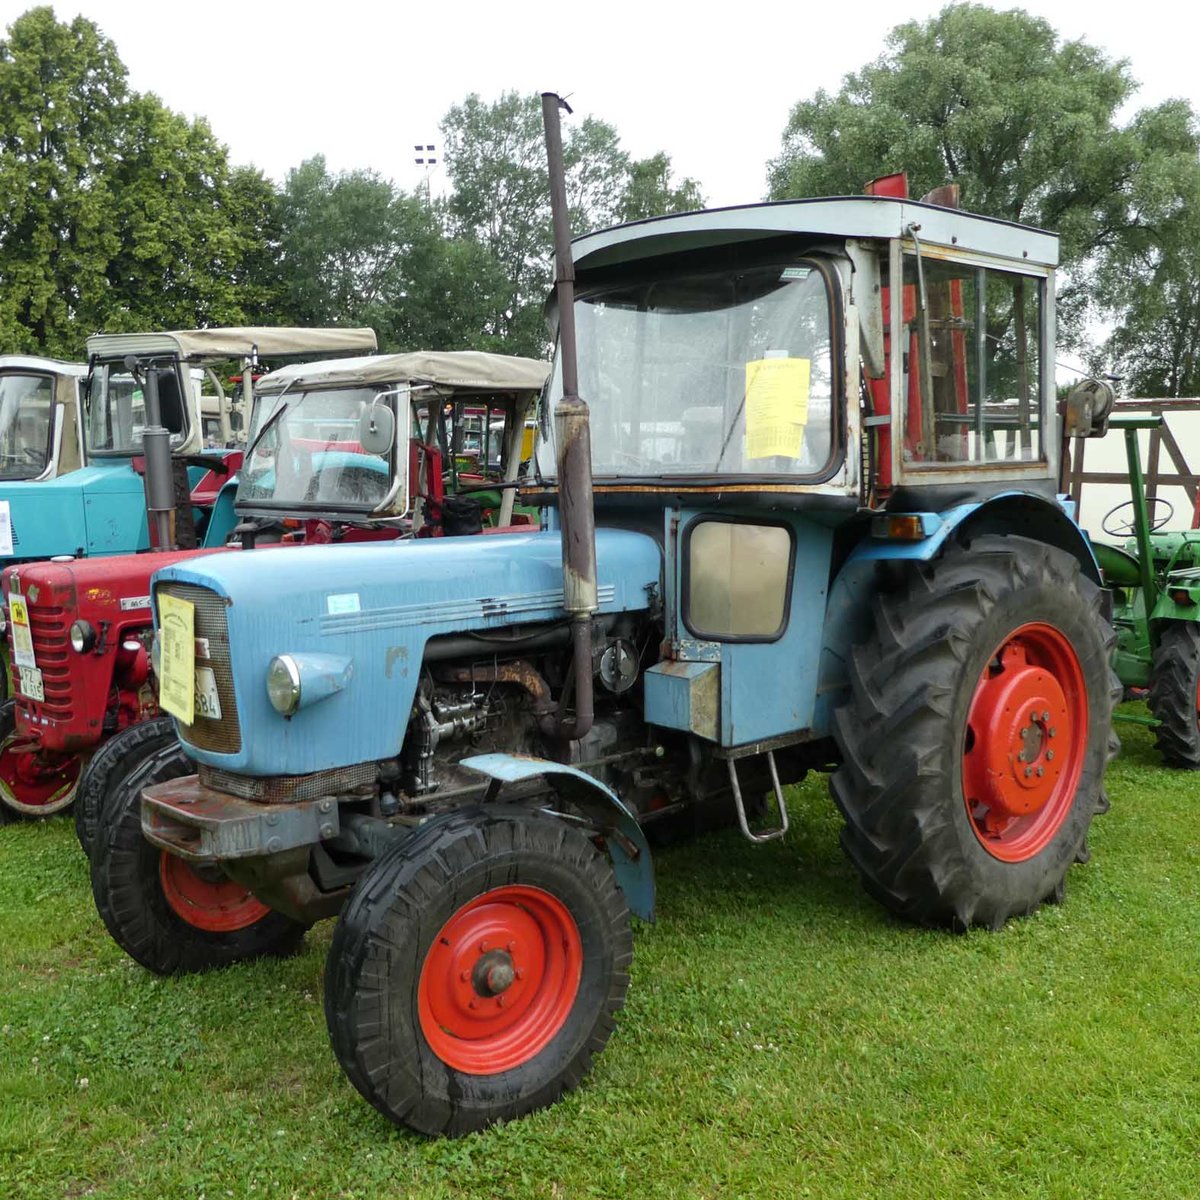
363 82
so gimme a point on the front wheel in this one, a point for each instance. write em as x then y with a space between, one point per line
33 783
975 743
170 916
477 970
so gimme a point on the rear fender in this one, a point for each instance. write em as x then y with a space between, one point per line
628 849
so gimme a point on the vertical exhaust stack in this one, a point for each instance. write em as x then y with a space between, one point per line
156 450
572 436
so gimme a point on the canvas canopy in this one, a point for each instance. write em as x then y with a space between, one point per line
215 345
462 370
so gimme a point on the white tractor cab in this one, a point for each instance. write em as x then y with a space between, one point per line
381 441
41 434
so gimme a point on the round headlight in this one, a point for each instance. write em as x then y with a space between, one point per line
283 684
83 637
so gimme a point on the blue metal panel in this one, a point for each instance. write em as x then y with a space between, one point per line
97 509
675 697
378 605
769 688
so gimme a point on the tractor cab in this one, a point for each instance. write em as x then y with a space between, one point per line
395 439
40 436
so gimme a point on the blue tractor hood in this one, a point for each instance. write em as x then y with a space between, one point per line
362 614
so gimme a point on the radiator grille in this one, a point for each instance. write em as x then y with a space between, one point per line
223 736
50 629
284 789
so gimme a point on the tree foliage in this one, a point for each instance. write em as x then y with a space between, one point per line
114 211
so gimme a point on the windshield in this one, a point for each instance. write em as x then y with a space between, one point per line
708 373
26 412
116 409
310 454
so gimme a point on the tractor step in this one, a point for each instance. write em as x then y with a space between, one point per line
765 835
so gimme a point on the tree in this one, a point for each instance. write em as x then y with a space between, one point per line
115 212
651 191
993 101
62 91
496 158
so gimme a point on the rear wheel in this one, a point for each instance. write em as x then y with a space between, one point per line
1174 697
33 784
477 970
171 916
118 757
975 744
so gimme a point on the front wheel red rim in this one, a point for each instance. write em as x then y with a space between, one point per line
33 783
216 905
500 980
1025 742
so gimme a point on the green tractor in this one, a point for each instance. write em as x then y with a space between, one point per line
1155 582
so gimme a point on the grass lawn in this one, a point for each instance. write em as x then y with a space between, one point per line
783 1037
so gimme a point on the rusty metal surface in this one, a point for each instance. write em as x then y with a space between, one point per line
200 825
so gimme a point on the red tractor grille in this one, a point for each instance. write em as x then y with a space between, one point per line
50 628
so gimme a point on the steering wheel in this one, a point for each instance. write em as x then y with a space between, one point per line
1126 527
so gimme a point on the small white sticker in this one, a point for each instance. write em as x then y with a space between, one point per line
344 602
6 542
129 603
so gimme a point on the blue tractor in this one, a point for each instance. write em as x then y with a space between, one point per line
806 519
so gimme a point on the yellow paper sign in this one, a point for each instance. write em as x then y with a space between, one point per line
776 406
22 635
177 645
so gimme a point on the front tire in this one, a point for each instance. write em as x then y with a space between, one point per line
169 916
975 743
118 757
1174 697
477 969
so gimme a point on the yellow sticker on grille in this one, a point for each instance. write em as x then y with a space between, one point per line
177 634
22 635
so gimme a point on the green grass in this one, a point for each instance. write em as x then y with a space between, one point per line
783 1037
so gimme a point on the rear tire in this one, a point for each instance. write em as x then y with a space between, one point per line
480 899
1174 697
168 916
975 743
111 763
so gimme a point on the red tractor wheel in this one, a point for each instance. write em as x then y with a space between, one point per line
33 784
975 746
170 916
476 969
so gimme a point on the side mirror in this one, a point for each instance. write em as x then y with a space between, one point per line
377 428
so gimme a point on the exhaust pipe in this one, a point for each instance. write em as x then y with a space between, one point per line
572 436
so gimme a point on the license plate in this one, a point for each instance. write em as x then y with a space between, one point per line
208 703
30 683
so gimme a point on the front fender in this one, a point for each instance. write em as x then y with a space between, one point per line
629 851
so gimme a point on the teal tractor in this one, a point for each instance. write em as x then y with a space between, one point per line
1155 581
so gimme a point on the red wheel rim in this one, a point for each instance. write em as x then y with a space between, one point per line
215 905
33 783
499 980
1025 741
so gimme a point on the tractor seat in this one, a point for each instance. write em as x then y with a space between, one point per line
1119 567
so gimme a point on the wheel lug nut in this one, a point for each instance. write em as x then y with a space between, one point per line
1049 755
1028 772
1025 731
1032 717
1046 715
1041 771
1054 733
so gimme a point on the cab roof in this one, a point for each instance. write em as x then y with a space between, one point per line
865 217
215 345
463 370
50 366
